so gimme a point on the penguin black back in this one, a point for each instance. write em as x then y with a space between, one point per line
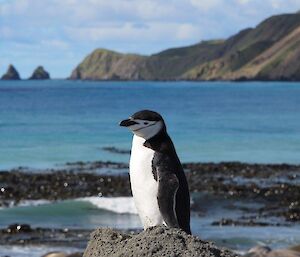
167 159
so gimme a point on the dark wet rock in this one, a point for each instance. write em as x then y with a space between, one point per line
17 186
39 73
290 215
248 223
113 149
93 166
18 228
46 236
156 241
11 74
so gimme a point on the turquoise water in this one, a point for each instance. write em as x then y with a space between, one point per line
44 123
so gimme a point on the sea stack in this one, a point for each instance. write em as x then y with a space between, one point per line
11 74
40 73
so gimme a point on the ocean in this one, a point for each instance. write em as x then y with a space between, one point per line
44 124
47 123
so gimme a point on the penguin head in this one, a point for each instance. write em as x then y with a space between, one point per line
145 124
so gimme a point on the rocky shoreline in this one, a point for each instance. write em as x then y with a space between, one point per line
24 234
277 187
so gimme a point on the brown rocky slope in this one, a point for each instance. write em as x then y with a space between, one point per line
269 51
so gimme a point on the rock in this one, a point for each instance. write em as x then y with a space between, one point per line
77 254
264 251
40 73
24 234
295 248
62 254
55 254
19 228
248 223
113 149
156 242
11 74
258 251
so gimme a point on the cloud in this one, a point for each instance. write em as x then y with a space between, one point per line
243 1
41 31
206 5
56 43
188 31
126 32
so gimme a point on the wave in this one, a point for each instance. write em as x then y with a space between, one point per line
115 204
121 205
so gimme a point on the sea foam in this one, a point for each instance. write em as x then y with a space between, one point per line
114 204
121 205
25 203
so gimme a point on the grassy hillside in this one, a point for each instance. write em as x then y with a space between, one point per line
268 52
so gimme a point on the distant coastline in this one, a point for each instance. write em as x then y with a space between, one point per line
268 52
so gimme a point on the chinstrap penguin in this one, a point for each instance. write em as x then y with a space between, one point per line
158 183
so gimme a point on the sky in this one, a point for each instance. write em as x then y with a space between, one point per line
58 34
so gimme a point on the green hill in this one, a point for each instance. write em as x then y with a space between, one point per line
268 52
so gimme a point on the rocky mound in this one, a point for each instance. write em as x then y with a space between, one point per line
40 73
11 74
157 241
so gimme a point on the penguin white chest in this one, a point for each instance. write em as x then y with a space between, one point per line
143 185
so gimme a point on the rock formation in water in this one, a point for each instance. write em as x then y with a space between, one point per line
39 73
11 74
155 242
270 51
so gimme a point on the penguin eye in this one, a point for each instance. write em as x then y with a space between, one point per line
146 123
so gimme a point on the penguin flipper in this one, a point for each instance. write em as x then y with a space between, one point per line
167 188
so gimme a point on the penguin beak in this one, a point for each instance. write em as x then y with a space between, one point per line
127 123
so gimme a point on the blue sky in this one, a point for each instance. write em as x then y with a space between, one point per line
58 34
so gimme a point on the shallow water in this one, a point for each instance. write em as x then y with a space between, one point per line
45 123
